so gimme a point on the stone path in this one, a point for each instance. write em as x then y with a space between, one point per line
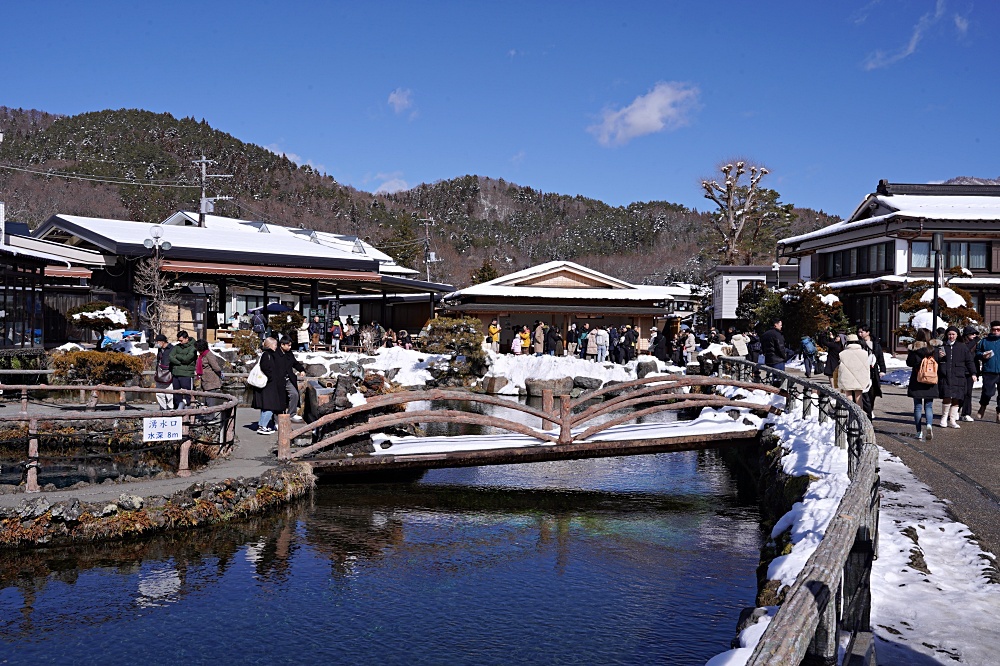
253 455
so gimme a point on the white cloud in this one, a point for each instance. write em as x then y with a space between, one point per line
401 99
666 107
391 182
880 59
518 157
962 25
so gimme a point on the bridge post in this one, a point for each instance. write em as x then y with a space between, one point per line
792 402
565 432
121 401
547 407
807 403
284 436
24 402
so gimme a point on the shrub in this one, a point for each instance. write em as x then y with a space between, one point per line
462 339
91 367
286 323
99 316
246 342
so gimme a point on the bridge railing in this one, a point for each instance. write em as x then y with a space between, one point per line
832 593
225 409
642 397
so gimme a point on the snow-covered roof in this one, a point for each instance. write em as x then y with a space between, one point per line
219 243
33 254
589 285
340 242
945 207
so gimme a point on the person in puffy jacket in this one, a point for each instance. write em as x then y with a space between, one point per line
953 370
923 394
182 360
854 375
772 346
988 353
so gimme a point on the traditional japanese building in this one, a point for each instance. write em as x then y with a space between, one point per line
887 242
561 293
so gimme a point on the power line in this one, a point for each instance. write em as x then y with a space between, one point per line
94 179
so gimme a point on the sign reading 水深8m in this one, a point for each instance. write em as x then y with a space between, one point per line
162 429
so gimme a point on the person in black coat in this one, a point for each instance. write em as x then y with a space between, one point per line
834 345
970 336
287 367
772 346
663 349
272 398
553 341
953 370
923 394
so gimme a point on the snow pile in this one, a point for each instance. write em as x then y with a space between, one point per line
516 369
923 319
942 605
717 350
829 299
950 298
117 315
413 365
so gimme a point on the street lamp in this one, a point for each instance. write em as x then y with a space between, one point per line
155 242
937 240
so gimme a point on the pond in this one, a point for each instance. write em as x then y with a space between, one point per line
643 559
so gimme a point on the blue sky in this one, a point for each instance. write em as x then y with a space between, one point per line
622 102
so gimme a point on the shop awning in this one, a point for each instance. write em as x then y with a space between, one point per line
278 272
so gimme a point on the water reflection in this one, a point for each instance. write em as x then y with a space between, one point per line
595 561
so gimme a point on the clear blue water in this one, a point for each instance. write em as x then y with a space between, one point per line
646 559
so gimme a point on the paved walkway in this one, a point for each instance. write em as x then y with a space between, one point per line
961 466
253 455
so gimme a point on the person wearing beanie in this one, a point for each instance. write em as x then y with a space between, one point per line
988 354
970 338
953 371
854 375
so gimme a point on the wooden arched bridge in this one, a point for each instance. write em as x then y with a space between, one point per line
584 427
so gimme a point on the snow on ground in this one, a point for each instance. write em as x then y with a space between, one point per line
519 368
930 592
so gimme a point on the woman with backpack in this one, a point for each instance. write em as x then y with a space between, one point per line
922 358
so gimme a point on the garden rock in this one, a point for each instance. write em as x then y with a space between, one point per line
587 383
643 368
561 386
129 502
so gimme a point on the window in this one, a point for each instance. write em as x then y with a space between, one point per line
920 254
875 259
966 255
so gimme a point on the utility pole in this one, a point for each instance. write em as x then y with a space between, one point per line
207 202
428 255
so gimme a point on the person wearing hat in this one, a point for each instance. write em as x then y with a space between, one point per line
162 377
953 371
854 375
988 354
970 337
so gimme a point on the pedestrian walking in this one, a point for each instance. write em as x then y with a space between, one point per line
336 335
970 337
572 340
988 354
601 340
854 375
272 398
287 365
208 373
182 360
953 370
923 392
162 377
876 361
493 333
808 355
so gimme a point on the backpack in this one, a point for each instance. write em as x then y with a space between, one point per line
258 323
927 373
335 332
808 345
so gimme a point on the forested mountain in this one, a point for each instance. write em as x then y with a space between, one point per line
475 218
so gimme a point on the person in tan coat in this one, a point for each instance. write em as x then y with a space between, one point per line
854 375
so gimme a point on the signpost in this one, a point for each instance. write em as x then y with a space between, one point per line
162 429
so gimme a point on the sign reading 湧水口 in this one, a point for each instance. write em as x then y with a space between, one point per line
162 429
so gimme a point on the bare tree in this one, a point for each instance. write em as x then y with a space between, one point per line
737 204
151 281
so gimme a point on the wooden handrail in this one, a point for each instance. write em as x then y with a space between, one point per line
806 624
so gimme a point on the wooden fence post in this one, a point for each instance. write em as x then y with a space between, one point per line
547 407
824 408
31 482
24 402
840 414
807 403
183 470
792 401
823 648
121 401
565 430
284 436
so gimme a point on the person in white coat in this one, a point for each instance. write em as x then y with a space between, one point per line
854 375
